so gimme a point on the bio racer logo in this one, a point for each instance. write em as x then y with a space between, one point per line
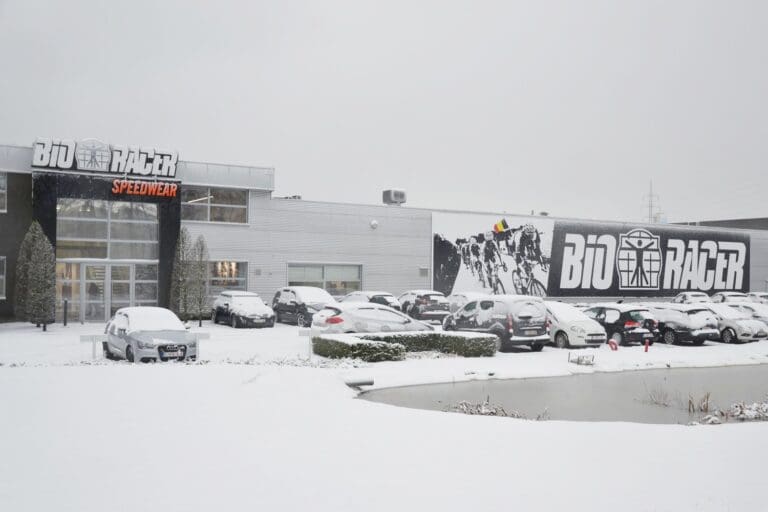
638 260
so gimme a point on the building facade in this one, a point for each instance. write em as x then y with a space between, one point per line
113 214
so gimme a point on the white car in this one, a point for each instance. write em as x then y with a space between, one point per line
242 309
456 301
761 297
363 317
570 327
148 334
690 298
754 309
383 298
729 297
737 326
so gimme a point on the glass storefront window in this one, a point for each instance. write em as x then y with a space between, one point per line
80 249
335 279
122 210
2 277
227 275
211 204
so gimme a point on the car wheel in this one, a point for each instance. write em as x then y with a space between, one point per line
108 353
300 320
728 336
561 340
214 317
233 321
669 337
536 347
129 354
618 338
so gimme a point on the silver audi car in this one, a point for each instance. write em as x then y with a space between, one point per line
148 334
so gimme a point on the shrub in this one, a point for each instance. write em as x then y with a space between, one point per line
461 344
339 346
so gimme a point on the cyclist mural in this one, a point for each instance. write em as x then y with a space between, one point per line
507 255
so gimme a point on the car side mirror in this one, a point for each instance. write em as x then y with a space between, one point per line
226 304
187 326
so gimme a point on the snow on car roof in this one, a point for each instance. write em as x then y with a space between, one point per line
312 294
473 295
148 318
623 307
373 294
516 298
239 293
731 294
424 292
564 311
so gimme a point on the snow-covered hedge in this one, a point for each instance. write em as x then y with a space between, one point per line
337 346
460 343
392 346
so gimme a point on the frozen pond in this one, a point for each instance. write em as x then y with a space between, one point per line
623 396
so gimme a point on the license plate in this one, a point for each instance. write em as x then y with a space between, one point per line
171 354
648 336
531 332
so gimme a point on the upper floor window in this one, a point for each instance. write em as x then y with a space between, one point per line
3 192
212 204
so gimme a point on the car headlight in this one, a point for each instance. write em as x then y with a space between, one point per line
146 344
578 330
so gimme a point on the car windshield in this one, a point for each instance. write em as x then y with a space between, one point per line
728 312
565 312
435 297
314 296
247 301
638 315
386 298
153 319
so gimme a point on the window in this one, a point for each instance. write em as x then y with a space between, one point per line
87 228
227 275
337 280
3 192
2 277
611 316
211 204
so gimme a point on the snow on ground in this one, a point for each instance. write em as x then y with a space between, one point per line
219 436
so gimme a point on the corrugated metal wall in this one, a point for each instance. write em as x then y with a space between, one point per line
284 230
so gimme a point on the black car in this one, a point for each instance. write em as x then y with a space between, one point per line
692 323
425 305
625 323
515 319
298 304
383 298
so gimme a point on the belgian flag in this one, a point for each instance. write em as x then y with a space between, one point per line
500 226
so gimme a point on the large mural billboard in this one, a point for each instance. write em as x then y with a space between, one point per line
542 256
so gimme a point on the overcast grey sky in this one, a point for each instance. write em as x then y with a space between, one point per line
564 106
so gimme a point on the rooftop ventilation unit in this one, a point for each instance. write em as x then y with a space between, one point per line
396 197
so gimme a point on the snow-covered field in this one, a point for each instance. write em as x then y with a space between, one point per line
282 432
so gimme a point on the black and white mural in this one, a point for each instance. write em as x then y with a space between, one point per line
490 254
541 256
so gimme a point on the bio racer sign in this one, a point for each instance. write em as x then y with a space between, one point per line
593 259
95 156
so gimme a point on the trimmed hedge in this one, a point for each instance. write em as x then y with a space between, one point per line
338 346
393 346
461 344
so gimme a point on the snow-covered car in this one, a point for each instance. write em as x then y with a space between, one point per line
456 301
427 305
570 327
297 304
755 310
729 297
761 297
690 298
363 317
242 309
383 298
737 326
148 334
515 319
694 323
625 323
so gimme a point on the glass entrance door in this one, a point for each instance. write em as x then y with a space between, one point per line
94 291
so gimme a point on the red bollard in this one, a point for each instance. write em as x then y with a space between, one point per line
613 344
647 344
